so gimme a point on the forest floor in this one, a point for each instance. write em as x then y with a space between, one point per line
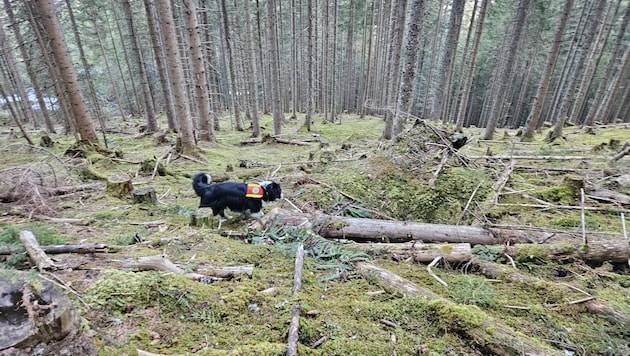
338 170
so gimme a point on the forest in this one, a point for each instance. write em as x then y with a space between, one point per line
455 177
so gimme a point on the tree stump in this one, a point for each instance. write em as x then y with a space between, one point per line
203 217
120 185
145 195
34 311
46 141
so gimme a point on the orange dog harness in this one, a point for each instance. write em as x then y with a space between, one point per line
254 191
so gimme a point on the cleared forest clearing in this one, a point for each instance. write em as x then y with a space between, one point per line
536 284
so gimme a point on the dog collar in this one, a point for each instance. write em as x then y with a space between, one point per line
254 191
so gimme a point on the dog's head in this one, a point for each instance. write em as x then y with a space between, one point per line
272 190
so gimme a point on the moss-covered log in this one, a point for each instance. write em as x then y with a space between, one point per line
596 251
489 335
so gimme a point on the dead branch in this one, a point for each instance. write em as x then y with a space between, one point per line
623 152
37 255
436 173
162 263
539 158
59 249
498 186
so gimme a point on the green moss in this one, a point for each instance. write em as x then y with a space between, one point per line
456 317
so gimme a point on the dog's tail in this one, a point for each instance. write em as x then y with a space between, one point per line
200 182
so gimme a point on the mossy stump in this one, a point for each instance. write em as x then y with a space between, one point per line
120 185
145 195
203 217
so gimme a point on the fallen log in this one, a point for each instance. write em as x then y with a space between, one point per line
506 273
375 230
422 253
59 249
597 251
37 255
162 263
490 334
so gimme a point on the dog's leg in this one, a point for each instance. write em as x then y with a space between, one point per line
258 215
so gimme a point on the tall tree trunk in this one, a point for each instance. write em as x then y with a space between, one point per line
545 80
429 92
448 62
503 71
310 70
9 57
577 72
294 60
29 68
160 59
367 60
129 76
46 11
610 67
395 49
147 97
414 28
199 71
231 69
274 62
253 72
592 62
176 75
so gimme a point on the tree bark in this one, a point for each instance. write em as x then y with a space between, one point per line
176 75
393 231
45 11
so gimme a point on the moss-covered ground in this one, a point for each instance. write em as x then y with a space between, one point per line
345 170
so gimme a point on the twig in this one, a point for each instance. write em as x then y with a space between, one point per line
510 259
472 195
433 263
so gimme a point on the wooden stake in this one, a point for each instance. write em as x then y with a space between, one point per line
295 312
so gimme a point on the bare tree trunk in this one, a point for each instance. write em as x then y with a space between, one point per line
367 60
504 69
46 11
393 66
310 69
545 79
129 76
413 33
176 75
577 72
238 122
29 68
610 68
199 71
14 74
439 111
252 71
278 117
147 97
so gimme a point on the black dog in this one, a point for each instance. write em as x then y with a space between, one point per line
240 197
